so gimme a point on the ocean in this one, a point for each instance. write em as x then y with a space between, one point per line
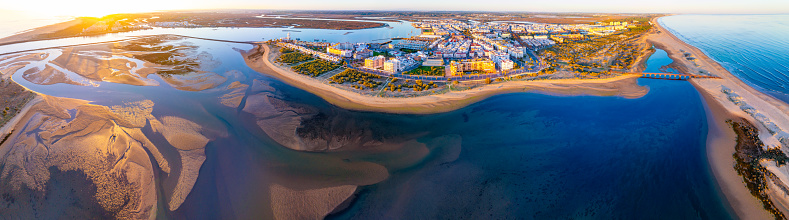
755 48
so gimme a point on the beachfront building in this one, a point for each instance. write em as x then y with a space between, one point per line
482 65
392 66
375 62
505 65
341 49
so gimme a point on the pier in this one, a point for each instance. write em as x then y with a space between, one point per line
672 76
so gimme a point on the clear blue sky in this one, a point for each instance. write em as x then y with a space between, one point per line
96 7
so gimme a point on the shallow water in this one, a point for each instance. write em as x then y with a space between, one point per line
509 156
755 48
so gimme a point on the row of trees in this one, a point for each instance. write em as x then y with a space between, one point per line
316 67
355 76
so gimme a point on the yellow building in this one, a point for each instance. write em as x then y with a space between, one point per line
375 62
484 65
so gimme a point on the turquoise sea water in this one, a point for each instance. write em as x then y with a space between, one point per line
512 156
755 48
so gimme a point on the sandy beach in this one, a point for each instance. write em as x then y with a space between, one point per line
721 139
624 86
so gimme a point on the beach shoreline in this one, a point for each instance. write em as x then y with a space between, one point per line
623 86
721 139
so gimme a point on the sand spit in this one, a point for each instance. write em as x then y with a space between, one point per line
624 86
70 138
721 139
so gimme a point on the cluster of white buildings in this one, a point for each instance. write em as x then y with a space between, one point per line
173 24
348 50
470 45
309 51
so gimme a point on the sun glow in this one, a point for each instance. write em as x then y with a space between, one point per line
93 8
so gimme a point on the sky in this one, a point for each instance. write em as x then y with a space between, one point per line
104 7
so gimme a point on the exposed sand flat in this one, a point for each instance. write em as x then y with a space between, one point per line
721 139
89 141
101 62
181 133
48 76
191 161
236 94
307 204
195 81
108 146
185 136
624 86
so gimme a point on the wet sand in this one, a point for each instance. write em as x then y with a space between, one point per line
721 139
624 86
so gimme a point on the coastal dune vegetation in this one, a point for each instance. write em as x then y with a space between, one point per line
316 67
294 57
364 80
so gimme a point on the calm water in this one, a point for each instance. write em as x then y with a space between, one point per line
510 156
755 48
